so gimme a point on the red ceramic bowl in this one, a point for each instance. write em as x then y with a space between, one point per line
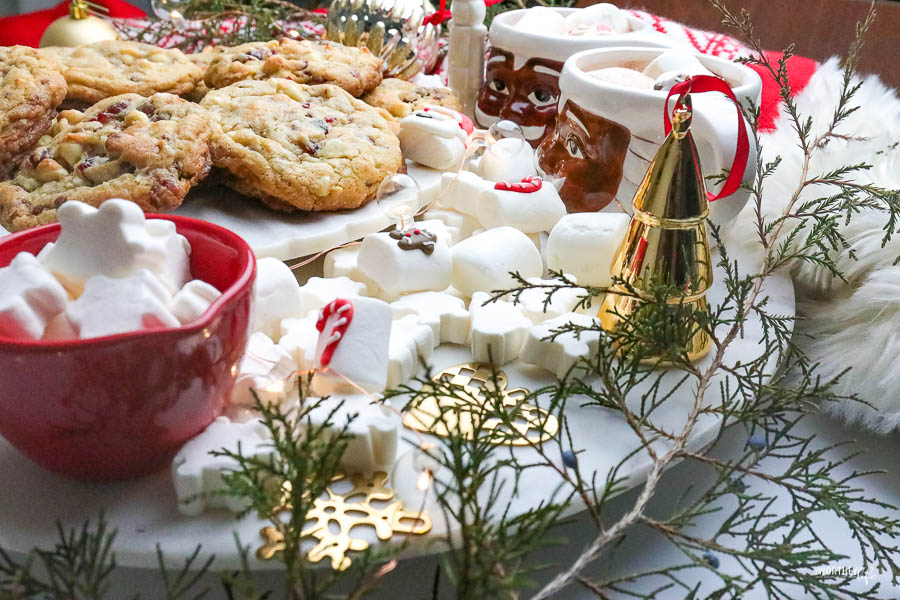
121 406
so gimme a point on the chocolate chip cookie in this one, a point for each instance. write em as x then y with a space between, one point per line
31 87
356 70
298 146
109 68
400 97
202 60
148 150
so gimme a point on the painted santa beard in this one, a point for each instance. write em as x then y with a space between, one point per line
531 132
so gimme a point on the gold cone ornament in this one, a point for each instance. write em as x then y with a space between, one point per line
81 26
666 248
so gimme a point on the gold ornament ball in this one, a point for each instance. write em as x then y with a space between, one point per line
69 31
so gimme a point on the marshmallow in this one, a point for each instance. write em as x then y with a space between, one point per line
193 300
542 19
109 305
197 474
530 205
354 334
276 295
584 244
59 328
411 345
507 159
411 260
675 61
483 262
375 431
319 291
532 300
342 262
299 338
115 240
465 224
498 330
433 138
560 353
266 369
597 19
30 298
445 314
174 270
450 235
460 191
623 76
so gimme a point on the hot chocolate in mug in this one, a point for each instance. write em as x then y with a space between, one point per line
608 129
522 70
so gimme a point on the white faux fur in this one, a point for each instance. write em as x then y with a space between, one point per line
854 323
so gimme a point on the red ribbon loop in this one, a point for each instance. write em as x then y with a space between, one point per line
707 83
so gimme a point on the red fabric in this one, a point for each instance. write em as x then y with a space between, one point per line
707 83
800 70
27 29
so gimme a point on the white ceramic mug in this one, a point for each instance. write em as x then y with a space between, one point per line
606 134
522 69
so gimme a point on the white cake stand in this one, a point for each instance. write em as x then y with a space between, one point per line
287 236
144 511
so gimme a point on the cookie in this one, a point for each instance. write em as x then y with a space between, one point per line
147 150
301 147
356 70
202 60
113 67
400 97
31 87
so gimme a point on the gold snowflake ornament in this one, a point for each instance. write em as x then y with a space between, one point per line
441 415
368 503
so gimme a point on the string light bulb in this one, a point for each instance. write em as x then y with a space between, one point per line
398 199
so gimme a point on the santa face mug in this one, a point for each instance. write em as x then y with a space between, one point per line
610 125
528 49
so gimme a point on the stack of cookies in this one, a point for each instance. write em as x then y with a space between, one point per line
281 121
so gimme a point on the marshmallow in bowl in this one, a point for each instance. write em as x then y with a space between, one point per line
111 305
352 348
584 244
530 205
559 353
597 19
673 66
276 296
193 300
623 76
115 240
433 138
507 159
542 19
30 298
404 261
483 262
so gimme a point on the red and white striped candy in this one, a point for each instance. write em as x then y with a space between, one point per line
342 309
528 185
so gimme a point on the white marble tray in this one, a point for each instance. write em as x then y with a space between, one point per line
144 511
